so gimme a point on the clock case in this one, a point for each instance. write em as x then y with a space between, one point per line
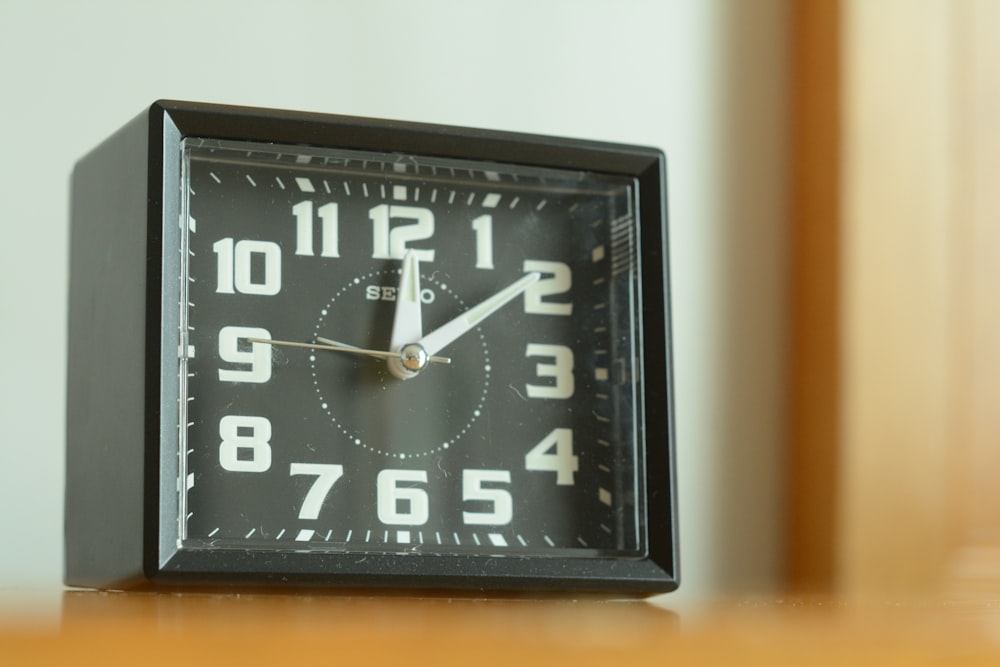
122 458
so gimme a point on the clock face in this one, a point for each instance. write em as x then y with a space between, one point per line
520 435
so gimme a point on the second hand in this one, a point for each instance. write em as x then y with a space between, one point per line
342 348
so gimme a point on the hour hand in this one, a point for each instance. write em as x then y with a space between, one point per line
407 325
445 335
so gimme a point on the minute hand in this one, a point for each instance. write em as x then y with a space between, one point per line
445 335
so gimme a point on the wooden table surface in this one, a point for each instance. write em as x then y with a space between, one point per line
90 627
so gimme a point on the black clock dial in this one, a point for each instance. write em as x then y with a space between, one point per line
526 443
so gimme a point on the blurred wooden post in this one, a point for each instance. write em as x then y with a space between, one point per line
895 439
974 558
814 383
899 223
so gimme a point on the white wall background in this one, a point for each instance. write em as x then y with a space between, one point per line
704 80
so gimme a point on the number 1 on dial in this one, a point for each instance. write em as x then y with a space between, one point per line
483 226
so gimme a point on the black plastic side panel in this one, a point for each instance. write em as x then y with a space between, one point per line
106 379
661 478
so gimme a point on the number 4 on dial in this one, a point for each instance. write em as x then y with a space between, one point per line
562 461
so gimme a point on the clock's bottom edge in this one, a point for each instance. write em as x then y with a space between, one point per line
423 576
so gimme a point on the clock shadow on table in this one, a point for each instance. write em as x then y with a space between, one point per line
365 616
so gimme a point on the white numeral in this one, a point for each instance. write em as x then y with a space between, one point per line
483 226
557 278
562 461
561 370
326 475
235 272
391 243
329 230
473 489
389 493
258 356
246 443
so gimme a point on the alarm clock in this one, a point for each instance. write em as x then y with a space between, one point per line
327 351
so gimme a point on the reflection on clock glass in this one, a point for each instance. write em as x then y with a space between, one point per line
390 353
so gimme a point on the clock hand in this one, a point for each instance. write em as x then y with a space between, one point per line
403 354
445 335
336 343
329 342
406 324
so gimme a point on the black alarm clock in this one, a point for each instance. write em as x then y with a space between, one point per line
320 350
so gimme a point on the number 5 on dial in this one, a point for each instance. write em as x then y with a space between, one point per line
500 499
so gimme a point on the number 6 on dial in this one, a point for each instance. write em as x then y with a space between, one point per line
390 491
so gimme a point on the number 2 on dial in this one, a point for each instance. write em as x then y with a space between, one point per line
557 278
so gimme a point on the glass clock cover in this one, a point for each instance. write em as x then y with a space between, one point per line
525 443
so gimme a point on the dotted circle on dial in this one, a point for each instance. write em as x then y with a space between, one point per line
355 438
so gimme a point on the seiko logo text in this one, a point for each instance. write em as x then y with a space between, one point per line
387 293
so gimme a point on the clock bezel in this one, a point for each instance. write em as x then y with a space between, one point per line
165 563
